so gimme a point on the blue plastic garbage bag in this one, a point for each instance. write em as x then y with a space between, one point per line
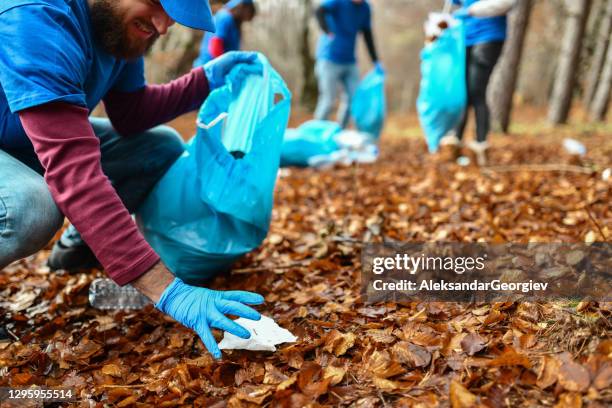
368 107
212 207
312 138
442 95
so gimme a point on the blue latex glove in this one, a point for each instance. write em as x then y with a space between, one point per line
201 308
216 70
379 68
461 14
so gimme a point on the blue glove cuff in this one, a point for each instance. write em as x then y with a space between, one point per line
210 75
169 293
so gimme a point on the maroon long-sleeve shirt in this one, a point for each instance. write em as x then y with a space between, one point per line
70 153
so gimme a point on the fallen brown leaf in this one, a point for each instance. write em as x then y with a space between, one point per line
573 376
335 374
603 379
548 372
254 393
569 400
460 397
112 369
411 354
473 343
510 357
339 343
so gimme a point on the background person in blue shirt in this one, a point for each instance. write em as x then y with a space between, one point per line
228 30
341 21
485 29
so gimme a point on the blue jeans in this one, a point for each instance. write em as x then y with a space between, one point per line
29 217
330 77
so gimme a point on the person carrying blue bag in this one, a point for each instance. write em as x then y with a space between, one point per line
341 21
58 60
228 30
485 24
442 90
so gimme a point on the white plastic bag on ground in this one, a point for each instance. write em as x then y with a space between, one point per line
265 335
353 147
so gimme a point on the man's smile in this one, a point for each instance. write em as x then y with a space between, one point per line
144 30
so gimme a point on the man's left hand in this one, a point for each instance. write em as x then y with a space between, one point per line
217 69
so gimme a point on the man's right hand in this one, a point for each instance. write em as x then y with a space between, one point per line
201 309
198 308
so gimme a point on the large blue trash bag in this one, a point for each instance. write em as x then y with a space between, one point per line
368 107
212 207
311 139
442 95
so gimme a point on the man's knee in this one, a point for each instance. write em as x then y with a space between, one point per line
163 146
30 223
169 144
42 219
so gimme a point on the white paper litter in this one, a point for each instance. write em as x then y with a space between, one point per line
265 334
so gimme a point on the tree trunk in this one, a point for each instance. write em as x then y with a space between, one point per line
599 56
601 99
561 99
309 87
504 81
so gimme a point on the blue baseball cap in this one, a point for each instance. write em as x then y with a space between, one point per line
191 13
233 3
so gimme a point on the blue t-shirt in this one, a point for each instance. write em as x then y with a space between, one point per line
345 20
47 54
227 29
483 30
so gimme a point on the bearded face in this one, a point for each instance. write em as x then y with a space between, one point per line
126 29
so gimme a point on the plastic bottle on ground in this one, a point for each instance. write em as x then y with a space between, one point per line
105 294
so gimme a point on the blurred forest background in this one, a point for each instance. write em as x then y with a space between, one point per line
558 56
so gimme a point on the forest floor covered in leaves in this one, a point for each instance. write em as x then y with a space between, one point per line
350 353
